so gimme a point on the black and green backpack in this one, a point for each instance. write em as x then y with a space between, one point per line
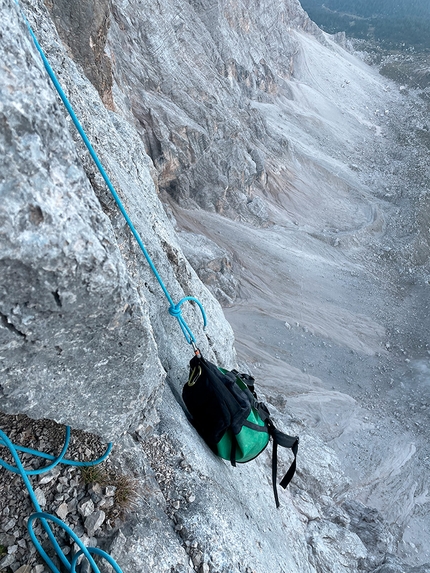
227 414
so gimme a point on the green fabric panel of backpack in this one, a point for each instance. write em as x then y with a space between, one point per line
249 442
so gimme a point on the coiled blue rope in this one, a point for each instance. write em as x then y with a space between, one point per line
174 309
44 518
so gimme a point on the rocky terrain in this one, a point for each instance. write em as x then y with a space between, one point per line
255 154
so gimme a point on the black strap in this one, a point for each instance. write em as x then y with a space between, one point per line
263 412
233 452
292 470
256 427
248 380
275 471
281 439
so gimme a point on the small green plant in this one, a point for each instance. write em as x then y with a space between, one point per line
95 474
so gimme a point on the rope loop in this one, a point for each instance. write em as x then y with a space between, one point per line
175 310
60 459
18 468
85 551
71 567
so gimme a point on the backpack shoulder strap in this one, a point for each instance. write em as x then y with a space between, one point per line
278 437
286 441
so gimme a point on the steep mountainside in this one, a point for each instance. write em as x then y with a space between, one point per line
236 135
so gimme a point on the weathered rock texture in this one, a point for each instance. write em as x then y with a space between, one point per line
192 100
83 27
212 264
192 70
77 337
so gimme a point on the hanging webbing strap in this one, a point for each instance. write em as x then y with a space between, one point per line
174 309
281 439
278 437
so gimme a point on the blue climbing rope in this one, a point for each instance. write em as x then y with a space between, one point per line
55 460
174 309
44 518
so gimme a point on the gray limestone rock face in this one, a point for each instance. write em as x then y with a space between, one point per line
212 264
195 73
79 342
373 532
334 548
83 27
148 540
178 99
70 317
394 565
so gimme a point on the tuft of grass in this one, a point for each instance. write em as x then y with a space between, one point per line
95 474
3 550
126 492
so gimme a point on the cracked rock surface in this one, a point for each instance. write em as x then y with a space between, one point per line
258 132
76 329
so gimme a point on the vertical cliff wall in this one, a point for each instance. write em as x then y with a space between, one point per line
84 324
191 72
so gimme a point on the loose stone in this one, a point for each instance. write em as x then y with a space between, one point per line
107 502
6 539
46 479
7 561
72 505
86 508
11 523
94 521
23 569
62 510
40 497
